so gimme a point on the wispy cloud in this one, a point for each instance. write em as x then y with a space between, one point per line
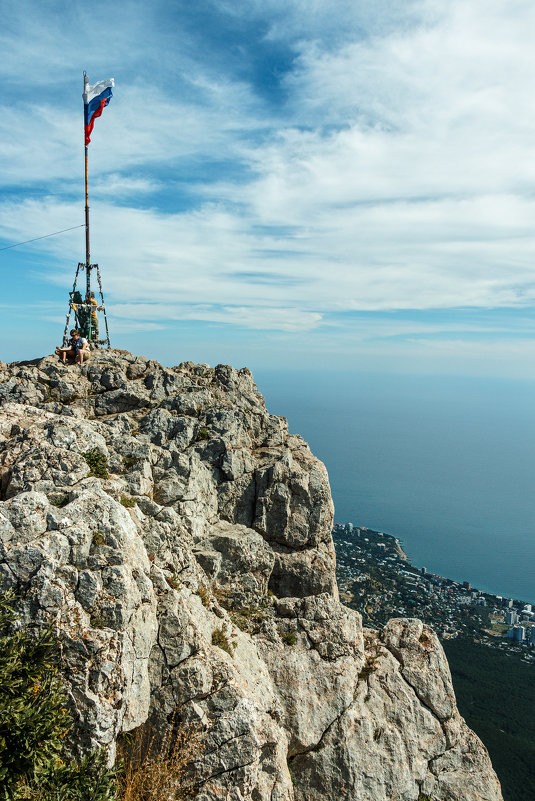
271 166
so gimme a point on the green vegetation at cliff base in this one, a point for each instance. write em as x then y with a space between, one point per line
496 696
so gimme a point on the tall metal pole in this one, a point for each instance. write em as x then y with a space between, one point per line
87 254
87 251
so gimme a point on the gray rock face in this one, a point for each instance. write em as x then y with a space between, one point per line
179 538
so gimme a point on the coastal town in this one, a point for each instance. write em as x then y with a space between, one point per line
376 578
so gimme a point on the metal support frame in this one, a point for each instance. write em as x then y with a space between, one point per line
88 306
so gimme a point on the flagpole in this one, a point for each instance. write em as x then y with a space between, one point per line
87 255
87 251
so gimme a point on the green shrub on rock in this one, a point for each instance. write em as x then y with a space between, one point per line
289 638
33 719
97 462
87 780
34 722
220 639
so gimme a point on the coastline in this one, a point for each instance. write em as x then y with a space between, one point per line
399 546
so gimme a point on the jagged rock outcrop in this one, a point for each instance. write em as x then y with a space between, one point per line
179 538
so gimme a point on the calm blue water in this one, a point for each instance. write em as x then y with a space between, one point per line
445 464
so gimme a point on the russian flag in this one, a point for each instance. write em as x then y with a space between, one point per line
95 97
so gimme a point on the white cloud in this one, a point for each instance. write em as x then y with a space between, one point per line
119 187
256 317
397 175
398 255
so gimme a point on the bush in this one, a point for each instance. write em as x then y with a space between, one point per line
127 501
220 639
97 462
203 434
34 722
87 780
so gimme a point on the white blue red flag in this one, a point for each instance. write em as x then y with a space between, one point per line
96 98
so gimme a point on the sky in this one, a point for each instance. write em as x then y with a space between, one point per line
338 195
284 183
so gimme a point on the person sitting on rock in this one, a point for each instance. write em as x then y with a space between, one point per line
77 349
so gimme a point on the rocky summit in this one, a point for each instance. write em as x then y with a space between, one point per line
178 537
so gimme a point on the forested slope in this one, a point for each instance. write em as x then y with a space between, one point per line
496 696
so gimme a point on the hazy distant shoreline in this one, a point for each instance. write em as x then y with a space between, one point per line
399 547
443 464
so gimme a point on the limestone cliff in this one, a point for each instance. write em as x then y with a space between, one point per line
180 540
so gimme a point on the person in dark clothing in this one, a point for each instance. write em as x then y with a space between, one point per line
77 349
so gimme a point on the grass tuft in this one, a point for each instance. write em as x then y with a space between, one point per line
204 594
250 618
173 581
220 639
157 769
213 592
289 638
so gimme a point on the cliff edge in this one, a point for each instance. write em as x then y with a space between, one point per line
179 538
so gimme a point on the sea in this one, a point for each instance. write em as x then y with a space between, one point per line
444 463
